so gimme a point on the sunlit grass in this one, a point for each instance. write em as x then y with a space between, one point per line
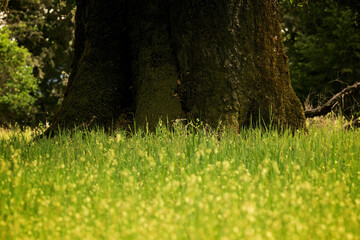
181 185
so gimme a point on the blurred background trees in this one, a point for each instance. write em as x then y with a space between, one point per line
46 29
322 40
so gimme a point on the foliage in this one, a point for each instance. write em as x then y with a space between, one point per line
46 29
18 86
181 185
323 45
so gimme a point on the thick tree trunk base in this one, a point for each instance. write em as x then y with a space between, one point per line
214 60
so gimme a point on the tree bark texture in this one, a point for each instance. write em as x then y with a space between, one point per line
165 59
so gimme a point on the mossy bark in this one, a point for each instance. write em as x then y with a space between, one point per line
98 88
166 59
233 63
154 66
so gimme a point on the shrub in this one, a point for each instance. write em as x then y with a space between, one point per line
18 86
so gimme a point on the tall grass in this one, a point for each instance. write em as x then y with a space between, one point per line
181 185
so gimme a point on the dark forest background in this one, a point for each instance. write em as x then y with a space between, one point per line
322 41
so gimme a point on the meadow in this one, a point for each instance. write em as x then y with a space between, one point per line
194 184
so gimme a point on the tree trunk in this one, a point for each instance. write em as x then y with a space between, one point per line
165 59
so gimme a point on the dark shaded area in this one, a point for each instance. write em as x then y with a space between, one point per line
98 88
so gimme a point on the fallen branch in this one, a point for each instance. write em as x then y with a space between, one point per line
329 105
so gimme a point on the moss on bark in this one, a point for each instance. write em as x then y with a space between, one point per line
154 66
231 54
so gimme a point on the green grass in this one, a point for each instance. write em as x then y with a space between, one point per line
175 185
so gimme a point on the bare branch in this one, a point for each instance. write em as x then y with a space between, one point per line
335 100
